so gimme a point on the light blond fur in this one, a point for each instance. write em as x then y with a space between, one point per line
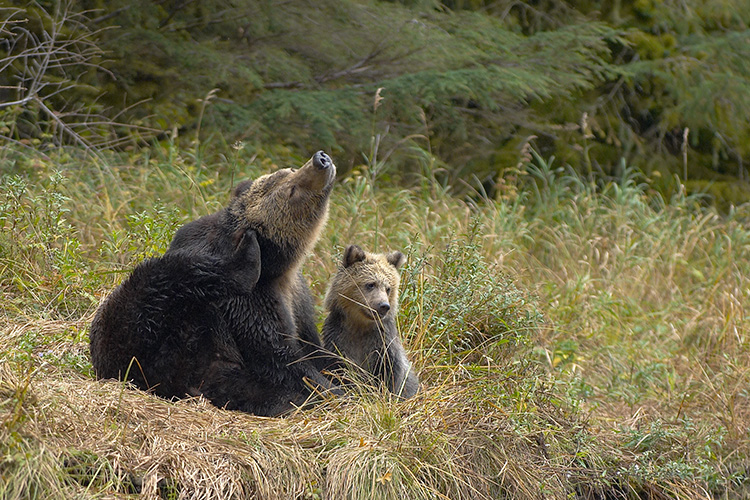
362 303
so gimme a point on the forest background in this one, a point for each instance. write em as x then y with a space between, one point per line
468 82
569 180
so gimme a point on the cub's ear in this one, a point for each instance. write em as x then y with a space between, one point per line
242 187
396 259
352 255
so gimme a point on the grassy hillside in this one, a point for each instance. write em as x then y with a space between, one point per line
575 341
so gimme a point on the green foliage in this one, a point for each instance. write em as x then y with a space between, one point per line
40 248
471 312
701 84
63 347
305 119
662 79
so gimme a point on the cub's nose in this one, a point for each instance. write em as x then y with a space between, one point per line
321 160
383 309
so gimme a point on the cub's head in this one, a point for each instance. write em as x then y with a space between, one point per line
365 287
287 209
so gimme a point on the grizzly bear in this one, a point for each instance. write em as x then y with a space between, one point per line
362 302
225 312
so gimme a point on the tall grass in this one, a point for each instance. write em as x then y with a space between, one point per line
575 340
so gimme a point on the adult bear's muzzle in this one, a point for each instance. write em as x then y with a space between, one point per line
321 160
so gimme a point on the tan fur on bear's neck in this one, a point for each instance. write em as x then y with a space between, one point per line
288 207
278 217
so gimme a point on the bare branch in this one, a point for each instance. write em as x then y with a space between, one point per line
46 65
63 126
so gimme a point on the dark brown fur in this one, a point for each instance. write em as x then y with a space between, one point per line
225 312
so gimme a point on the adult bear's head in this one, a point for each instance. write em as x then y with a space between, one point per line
287 209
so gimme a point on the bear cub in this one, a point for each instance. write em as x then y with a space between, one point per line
362 302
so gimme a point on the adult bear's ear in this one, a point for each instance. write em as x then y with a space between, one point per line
352 255
242 187
396 259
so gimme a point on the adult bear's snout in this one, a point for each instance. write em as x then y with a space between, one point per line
321 160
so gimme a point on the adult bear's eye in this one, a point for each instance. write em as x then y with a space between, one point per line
292 190
388 291
370 286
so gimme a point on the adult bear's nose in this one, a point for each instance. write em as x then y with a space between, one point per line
321 160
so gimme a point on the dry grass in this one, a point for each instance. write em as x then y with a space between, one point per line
65 435
95 436
574 343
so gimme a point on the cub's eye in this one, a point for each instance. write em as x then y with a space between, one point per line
370 286
388 291
292 190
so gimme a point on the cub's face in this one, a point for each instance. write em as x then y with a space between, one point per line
287 209
366 285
